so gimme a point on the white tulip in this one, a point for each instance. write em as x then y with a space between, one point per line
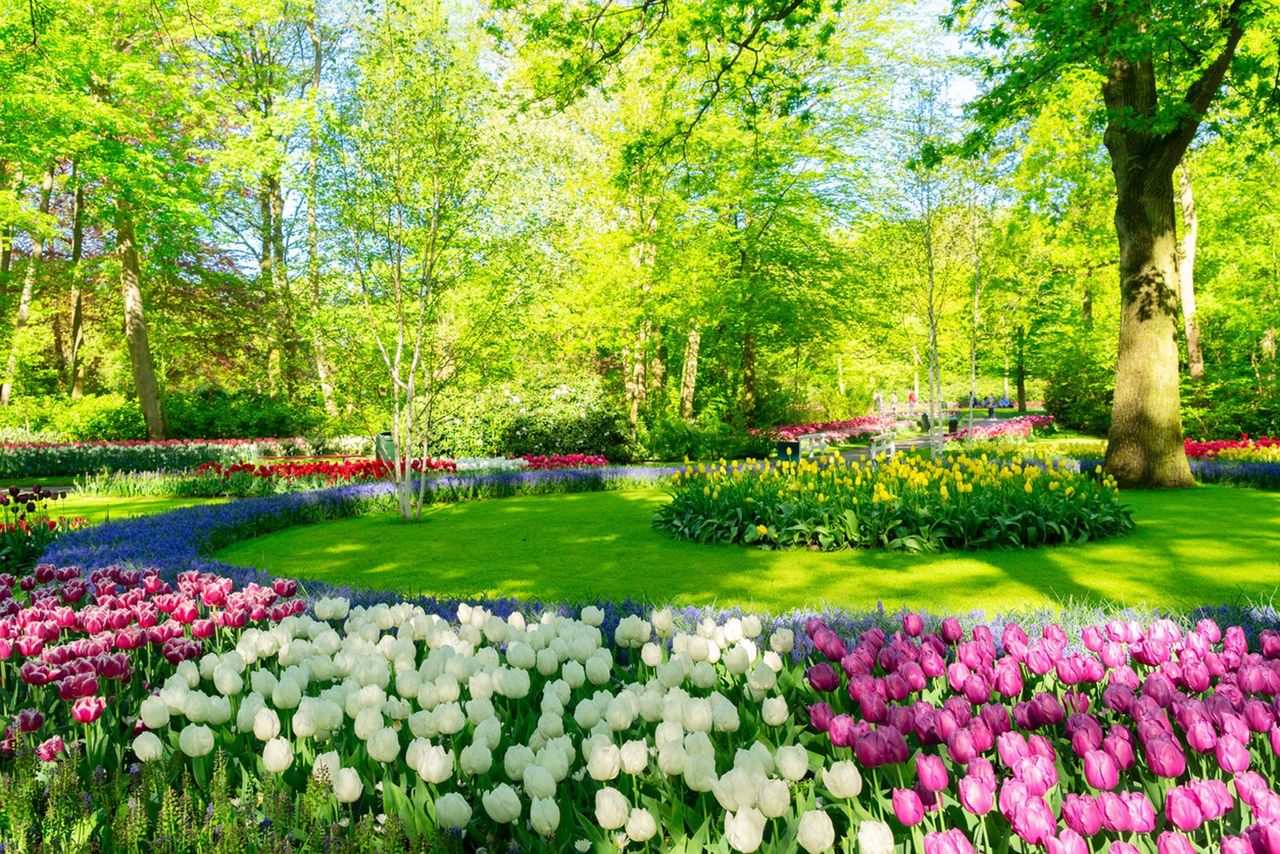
699 771
154 713
347 786
452 811
774 711
538 782
611 808
774 798
368 721
228 682
592 616
598 668
196 740
148 747
875 837
842 779
641 826
502 804
277 756
266 724
219 710
544 816
517 758
793 762
635 757
328 764
744 830
605 762
782 641
547 662
475 758
751 627
816 833
196 707
436 765
383 745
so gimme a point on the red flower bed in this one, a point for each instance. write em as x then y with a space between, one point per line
329 470
1209 450
538 462
860 426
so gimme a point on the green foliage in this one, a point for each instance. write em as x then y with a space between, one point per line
906 503
215 413
672 438
1080 387
595 431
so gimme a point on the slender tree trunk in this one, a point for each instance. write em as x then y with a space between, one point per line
266 280
75 378
313 228
6 234
280 291
749 378
135 323
1186 274
1020 369
1005 394
689 373
1086 303
28 291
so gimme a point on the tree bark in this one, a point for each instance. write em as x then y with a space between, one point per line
749 378
1020 369
28 290
689 373
135 324
77 293
1186 274
313 229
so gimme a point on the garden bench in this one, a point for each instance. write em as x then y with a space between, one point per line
886 443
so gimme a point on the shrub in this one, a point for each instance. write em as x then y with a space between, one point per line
597 431
906 502
672 438
215 413
1080 388
42 459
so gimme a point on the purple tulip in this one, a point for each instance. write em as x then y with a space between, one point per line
907 807
840 730
820 716
1235 845
1034 822
1119 847
913 625
823 677
951 841
1201 737
951 631
1115 814
1142 815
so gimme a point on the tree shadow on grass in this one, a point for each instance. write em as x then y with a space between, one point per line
1191 548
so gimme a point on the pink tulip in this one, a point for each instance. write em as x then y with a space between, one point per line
907 807
1068 842
1232 755
951 841
29 720
1100 770
1142 815
976 796
1082 814
1034 822
952 632
1174 843
1182 809
932 772
913 625
86 710
823 677
1119 847
1165 757
48 750
820 716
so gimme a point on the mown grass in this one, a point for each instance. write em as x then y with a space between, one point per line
1209 545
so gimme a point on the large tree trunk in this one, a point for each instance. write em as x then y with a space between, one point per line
1186 274
28 291
135 324
313 228
689 373
75 376
1144 447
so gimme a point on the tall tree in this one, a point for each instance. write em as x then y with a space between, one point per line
1159 65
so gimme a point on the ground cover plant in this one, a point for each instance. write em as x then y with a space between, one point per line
905 502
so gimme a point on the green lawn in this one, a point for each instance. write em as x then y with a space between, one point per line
100 508
1205 546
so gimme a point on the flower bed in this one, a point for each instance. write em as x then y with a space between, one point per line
543 730
43 459
1022 427
907 502
863 425
1244 449
538 462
